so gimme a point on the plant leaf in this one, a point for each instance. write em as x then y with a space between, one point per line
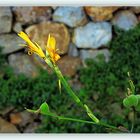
44 108
130 101
137 108
132 87
59 84
90 114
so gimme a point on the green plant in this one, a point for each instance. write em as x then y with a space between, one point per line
20 91
50 57
109 80
104 87
132 101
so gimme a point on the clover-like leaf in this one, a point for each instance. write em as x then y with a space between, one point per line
137 108
44 108
130 101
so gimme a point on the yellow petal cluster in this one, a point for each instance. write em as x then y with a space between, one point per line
51 49
32 47
35 48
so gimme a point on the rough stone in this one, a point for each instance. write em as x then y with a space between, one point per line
10 43
84 54
27 117
30 15
21 118
73 51
6 127
31 128
17 27
15 118
125 20
92 35
22 63
138 17
5 20
135 9
39 33
54 7
71 16
100 13
68 65
6 110
40 63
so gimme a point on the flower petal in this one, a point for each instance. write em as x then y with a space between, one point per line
24 36
57 57
32 47
51 43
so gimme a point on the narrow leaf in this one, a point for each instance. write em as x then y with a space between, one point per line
33 111
132 86
90 114
59 84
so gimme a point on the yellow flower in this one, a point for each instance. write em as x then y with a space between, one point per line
32 47
51 49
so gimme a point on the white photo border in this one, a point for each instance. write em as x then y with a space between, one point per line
69 2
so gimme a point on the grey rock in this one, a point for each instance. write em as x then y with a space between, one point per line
26 118
92 35
84 54
5 20
31 14
31 128
6 127
54 7
125 20
135 9
10 43
73 51
17 27
6 110
22 63
71 16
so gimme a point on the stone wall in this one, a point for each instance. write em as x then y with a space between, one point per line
81 32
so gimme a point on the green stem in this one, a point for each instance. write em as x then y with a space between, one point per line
73 95
67 87
108 125
77 100
84 121
132 127
48 62
133 121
